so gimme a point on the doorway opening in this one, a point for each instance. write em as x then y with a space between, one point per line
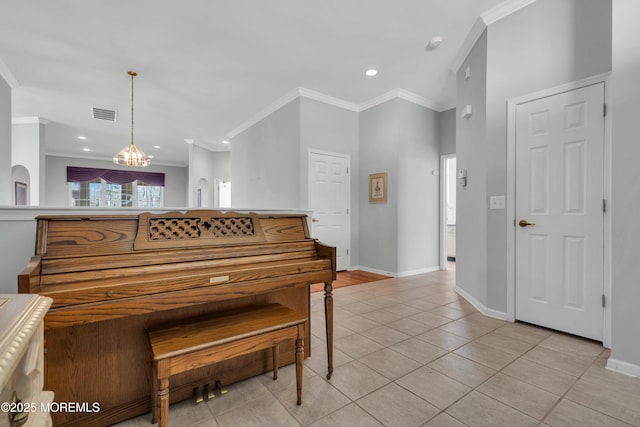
448 212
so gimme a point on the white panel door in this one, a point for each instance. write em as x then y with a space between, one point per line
559 211
329 201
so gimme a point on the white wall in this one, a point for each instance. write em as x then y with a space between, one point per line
175 190
625 110
206 166
27 139
6 189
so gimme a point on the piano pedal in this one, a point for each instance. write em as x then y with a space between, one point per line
208 392
198 394
221 388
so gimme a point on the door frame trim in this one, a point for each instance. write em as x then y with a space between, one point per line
347 157
512 104
443 209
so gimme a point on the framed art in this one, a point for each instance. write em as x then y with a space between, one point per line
378 187
20 194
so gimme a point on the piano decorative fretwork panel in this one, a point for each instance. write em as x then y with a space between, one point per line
175 229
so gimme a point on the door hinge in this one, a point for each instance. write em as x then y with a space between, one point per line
604 205
347 171
347 251
604 110
603 298
347 211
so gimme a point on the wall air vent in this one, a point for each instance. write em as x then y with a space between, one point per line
104 114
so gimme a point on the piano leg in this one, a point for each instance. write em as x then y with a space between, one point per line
328 318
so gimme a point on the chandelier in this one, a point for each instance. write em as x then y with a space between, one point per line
131 155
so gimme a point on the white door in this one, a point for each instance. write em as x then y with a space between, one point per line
329 201
559 211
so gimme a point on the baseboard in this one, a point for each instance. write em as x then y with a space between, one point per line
373 270
419 271
479 306
623 367
401 274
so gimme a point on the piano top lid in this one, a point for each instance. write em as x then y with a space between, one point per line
103 234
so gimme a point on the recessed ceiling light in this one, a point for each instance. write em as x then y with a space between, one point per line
225 141
156 146
150 156
82 137
371 72
86 149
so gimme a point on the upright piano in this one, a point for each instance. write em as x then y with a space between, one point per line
113 277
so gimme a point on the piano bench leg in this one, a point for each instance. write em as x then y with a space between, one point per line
275 350
299 367
161 410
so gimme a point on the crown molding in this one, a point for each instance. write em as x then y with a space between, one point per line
336 102
34 120
472 37
8 76
503 10
485 19
402 94
275 106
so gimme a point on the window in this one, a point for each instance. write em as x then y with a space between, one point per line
100 193
115 188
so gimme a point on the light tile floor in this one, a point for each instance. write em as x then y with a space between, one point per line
411 352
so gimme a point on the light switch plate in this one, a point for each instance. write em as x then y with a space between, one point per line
496 202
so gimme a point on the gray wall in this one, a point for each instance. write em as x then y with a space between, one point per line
418 188
5 144
175 190
265 162
447 131
400 236
333 129
379 153
626 176
545 44
471 147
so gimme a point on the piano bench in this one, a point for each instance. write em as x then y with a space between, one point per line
204 342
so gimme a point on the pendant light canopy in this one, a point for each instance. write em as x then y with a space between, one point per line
131 155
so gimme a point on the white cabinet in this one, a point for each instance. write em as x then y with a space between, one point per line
451 241
23 401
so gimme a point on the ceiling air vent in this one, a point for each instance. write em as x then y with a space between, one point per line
104 114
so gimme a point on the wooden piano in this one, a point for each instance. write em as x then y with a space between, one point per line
113 277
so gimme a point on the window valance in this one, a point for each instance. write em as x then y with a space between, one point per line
78 174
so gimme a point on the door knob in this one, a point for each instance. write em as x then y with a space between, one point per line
315 220
524 223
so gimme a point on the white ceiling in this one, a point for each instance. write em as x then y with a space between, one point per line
205 67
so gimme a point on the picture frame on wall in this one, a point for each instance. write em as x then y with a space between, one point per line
20 194
378 188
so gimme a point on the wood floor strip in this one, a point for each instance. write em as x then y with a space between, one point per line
348 278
